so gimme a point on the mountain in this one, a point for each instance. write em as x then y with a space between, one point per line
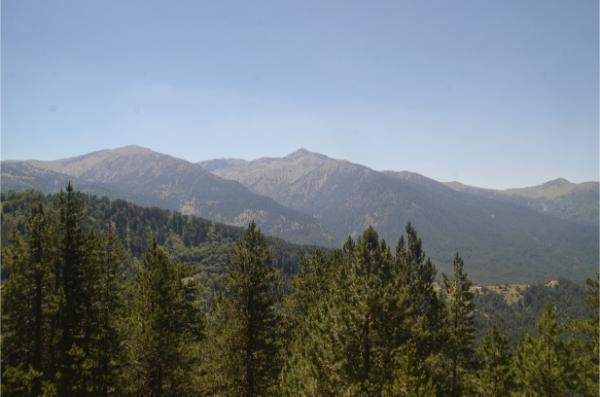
306 197
577 202
153 179
500 240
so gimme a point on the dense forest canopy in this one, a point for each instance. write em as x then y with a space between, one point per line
191 240
104 298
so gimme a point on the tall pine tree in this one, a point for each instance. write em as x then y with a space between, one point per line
108 357
76 282
245 325
312 363
544 364
493 378
19 378
587 338
460 330
159 334
419 359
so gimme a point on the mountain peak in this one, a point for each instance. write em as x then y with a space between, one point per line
131 149
558 182
302 152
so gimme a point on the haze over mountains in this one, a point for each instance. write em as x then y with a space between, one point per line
571 201
525 235
150 178
497 236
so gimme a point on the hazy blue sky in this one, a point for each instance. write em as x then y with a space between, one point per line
491 93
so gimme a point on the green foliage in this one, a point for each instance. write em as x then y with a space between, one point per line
312 366
460 326
160 333
82 316
514 320
587 338
364 321
203 245
108 352
58 322
493 378
245 323
544 364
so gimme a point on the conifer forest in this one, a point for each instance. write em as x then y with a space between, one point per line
101 298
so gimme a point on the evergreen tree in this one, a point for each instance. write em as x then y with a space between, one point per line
159 334
359 338
364 284
37 267
313 364
412 375
587 337
544 364
460 330
109 301
308 286
18 375
25 299
357 322
76 283
493 378
419 359
245 326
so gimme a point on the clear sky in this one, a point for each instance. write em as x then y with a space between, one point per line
491 93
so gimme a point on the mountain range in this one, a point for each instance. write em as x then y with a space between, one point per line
515 235
149 178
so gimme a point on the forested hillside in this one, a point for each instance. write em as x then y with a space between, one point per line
203 245
514 315
365 320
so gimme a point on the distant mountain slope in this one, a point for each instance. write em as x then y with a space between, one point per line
500 240
149 178
559 197
21 175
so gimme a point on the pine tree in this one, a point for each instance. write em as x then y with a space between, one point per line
77 277
36 272
18 376
355 320
419 358
544 364
460 330
308 286
158 332
412 375
109 301
312 365
359 338
364 284
246 324
24 298
493 378
585 343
